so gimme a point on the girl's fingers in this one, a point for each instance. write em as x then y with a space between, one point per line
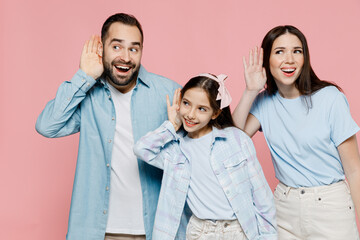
175 97
167 101
178 97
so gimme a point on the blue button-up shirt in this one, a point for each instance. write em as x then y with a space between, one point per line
233 160
85 105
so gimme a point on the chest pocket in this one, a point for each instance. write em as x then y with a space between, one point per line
175 173
237 168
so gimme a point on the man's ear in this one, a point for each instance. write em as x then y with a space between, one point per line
215 115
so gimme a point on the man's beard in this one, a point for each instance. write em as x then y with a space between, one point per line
108 74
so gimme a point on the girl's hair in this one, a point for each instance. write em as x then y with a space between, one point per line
211 88
307 83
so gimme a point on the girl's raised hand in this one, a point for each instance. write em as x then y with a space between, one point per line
173 111
255 74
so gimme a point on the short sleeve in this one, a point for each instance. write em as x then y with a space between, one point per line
342 125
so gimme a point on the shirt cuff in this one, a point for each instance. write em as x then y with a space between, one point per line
170 128
83 81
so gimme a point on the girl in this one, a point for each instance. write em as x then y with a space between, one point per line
311 135
209 164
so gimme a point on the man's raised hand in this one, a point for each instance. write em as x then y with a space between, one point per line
91 57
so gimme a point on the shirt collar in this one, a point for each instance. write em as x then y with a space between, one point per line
217 133
142 77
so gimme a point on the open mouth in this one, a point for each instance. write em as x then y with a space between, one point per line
288 71
189 123
122 69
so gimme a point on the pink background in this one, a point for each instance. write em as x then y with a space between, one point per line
40 46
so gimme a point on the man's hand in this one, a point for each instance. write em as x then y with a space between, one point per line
91 57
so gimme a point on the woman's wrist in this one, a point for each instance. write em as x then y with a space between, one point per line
251 93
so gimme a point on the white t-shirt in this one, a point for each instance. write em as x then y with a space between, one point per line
125 203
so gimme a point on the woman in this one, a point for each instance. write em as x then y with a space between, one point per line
311 136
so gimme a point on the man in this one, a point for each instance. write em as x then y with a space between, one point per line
113 101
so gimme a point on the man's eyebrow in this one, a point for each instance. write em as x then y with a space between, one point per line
121 40
116 40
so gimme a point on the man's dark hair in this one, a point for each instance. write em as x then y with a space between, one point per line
124 18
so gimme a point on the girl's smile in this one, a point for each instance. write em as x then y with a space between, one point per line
189 123
196 112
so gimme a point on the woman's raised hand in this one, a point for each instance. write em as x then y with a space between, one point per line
255 74
173 111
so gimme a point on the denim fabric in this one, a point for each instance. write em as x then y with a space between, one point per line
85 105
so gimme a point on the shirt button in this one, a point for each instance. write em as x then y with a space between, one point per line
110 141
302 191
104 212
83 80
113 118
88 84
108 165
107 188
